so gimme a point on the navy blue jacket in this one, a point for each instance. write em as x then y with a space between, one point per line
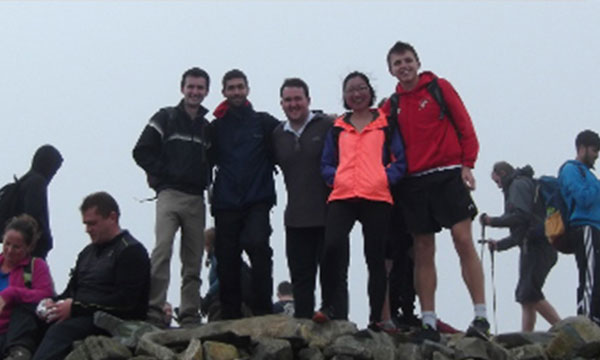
241 152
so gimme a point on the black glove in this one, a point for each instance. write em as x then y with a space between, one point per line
482 219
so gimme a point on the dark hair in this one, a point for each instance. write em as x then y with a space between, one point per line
587 138
284 288
366 79
502 167
27 226
234 74
102 201
294 82
400 48
195 72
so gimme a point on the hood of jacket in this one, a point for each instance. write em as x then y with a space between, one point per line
46 161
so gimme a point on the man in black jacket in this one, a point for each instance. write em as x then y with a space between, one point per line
111 274
523 214
172 152
243 195
33 194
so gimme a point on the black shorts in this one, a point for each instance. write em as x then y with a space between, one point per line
399 240
440 199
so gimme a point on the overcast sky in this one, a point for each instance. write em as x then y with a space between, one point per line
86 76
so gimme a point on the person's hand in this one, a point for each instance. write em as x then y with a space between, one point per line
492 245
2 303
468 178
484 219
60 311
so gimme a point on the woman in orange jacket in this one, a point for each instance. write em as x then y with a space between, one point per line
363 156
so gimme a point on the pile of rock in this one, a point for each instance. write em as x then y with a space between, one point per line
280 337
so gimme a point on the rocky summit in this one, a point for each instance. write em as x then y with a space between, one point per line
283 338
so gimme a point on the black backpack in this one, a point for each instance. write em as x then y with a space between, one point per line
9 202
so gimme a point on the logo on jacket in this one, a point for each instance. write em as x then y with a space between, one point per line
423 103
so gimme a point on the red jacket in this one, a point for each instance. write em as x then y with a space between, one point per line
16 293
429 142
359 165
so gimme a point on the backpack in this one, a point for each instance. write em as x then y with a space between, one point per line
28 273
556 222
9 202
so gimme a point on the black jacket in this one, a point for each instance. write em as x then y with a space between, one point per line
242 153
33 194
113 277
172 150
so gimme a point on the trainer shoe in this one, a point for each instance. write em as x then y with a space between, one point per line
322 316
480 328
426 332
18 353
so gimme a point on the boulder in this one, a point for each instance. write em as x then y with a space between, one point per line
529 352
194 351
517 339
310 353
99 348
220 351
574 336
272 349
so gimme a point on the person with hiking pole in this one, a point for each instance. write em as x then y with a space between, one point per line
524 214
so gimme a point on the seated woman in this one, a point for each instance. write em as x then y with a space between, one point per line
363 156
24 281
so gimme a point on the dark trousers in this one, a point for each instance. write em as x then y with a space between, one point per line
58 341
303 249
244 230
341 216
22 329
587 255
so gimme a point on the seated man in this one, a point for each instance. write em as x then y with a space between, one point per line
111 274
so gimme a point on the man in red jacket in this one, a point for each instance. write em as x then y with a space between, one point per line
441 148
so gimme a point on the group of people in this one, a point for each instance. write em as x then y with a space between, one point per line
403 170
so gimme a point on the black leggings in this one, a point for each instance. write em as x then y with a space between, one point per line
341 216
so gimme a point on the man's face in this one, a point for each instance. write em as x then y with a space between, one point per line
295 104
404 66
236 91
194 91
588 155
497 179
101 229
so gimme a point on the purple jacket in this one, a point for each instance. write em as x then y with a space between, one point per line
17 293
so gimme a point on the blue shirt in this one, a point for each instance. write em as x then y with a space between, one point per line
4 280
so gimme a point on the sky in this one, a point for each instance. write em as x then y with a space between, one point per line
86 76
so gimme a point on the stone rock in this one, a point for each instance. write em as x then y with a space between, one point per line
272 349
99 348
342 357
143 357
194 351
127 332
146 346
471 348
517 339
573 335
348 346
408 351
269 326
529 352
364 344
428 348
220 351
310 353
439 356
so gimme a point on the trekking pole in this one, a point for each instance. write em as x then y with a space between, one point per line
482 242
494 291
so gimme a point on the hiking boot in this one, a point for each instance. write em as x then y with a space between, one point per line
480 328
426 332
18 353
322 316
387 326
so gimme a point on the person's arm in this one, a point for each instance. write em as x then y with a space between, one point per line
41 286
576 187
148 149
329 159
397 168
132 275
462 121
35 204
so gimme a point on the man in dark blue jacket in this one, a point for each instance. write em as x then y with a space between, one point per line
243 195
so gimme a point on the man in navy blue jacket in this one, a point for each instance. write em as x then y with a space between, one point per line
243 194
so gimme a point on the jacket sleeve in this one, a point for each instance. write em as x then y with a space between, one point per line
397 168
517 214
148 149
576 189
35 203
329 159
462 121
41 286
132 278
